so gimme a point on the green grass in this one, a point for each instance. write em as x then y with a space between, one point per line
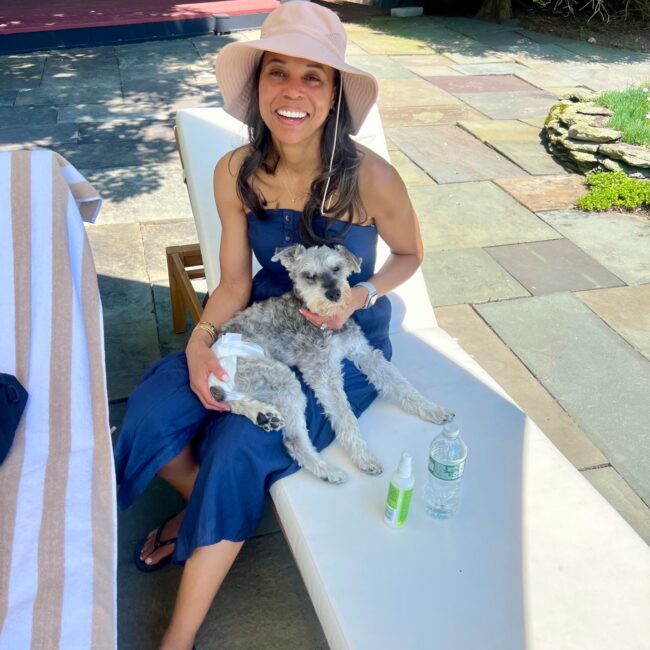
614 189
630 109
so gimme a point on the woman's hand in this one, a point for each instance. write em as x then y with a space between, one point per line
201 362
336 322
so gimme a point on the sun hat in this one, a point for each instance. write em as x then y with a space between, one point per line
303 30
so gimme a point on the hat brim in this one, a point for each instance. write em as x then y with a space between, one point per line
237 62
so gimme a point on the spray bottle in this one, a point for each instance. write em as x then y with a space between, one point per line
400 491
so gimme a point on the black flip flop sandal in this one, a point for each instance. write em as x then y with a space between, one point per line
141 565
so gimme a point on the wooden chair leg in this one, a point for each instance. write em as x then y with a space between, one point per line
175 294
182 294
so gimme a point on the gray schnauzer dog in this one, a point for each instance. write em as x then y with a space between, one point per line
273 395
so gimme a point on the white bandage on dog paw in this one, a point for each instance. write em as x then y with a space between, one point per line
227 348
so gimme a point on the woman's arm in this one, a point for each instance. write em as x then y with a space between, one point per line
233 293
387 203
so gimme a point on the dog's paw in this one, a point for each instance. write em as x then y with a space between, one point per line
439 415
218 393
335 475
270 420
369 465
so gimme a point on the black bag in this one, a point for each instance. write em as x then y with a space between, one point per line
13 398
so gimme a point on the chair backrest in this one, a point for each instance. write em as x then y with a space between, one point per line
206 134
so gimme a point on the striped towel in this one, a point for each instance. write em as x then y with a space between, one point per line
57 496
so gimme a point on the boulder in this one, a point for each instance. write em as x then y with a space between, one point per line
585 132
578 94
629 153
589 108
578 145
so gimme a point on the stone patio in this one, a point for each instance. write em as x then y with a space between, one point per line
553 302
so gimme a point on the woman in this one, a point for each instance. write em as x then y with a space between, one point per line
302 179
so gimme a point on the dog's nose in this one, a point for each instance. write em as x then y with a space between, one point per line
333 294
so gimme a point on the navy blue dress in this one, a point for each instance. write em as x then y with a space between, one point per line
238 461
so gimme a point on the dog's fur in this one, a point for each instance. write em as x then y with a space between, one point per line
274 396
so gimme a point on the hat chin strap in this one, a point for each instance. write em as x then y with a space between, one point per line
336 130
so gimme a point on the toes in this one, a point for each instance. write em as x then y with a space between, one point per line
147 547
336 476
370 466
159 554
441 415
269 421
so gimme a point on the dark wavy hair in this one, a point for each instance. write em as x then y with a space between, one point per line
344 178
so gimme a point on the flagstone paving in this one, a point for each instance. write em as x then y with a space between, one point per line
517 141
423 63
490 68
626 310
381 67
499 106
619 242
157 236
539 193
472 215
422 115
412 92
411 174
141 193
479 340
450 155
465 276
560 339
463 103
481 84
552 266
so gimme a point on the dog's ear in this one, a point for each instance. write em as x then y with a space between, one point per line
353 261
288 255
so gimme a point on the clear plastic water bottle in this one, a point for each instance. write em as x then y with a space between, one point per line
447 456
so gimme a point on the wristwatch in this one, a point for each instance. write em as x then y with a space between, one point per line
372 296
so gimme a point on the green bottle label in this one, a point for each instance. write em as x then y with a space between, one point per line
397 504
446 472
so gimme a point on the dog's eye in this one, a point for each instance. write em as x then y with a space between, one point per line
336 269
310 277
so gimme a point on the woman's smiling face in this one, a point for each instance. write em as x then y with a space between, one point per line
295 96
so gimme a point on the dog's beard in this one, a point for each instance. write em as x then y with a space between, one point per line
317 303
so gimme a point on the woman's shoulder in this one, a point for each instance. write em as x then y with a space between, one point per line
380 185
229 164
225 177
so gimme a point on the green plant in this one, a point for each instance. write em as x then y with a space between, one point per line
614 189
630 108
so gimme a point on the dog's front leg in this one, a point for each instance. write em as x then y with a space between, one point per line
391 385
327 384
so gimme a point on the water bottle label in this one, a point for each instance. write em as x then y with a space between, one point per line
446 472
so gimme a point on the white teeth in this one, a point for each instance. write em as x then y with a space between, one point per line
296 115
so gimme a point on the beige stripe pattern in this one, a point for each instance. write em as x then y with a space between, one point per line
57 492
103 618
51 547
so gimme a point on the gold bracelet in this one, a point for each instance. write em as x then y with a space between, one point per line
209 328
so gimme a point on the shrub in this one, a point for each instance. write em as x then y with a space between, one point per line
614 189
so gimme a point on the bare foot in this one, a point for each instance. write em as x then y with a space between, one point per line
151 555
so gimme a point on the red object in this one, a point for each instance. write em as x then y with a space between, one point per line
22 16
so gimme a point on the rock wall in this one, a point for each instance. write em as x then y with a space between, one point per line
577 135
